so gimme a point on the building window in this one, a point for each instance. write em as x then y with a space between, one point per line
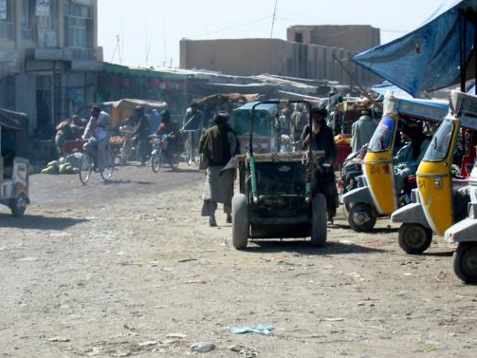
299 37
7 28
46 15
27 18
78 24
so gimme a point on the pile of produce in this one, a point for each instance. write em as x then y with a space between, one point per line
64 166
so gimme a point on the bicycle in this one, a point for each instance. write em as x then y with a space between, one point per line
88 166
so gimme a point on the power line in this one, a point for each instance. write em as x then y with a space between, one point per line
275 10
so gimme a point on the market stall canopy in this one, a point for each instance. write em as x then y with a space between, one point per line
217 100
124 108
13 120
428 59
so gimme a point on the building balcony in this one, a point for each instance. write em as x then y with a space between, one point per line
65 54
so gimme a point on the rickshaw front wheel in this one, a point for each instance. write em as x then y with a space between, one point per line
362 218
18 205
465 262
414 239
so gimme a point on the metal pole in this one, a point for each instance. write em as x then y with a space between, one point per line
475 51
463 66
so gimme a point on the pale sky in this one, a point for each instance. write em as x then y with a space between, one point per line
150 30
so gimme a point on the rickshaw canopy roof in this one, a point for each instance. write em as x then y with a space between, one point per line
264 113
434 110
465 107
13 120
427 59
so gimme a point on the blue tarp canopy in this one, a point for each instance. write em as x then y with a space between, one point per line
430 57
385 88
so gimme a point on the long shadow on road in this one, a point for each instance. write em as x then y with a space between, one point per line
373 232
38 222
307 249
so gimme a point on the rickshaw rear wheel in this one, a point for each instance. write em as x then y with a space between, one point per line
240 222
18 205
465 262
362 217
319 225
414 239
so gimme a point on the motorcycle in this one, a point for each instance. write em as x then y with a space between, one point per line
166 148
351 171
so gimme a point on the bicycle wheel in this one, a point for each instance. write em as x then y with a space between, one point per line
86 169
108 171
188 148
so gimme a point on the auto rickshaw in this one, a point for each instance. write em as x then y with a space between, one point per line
14 170
464 233
442 195
377 194
276 198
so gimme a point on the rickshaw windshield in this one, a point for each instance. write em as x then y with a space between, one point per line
440 145
383 137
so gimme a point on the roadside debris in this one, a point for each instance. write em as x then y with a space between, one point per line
59 340
265 330
203 347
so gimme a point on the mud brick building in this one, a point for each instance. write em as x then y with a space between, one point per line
308 52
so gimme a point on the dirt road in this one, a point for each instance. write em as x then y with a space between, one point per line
131 269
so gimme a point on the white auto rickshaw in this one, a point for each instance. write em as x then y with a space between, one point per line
14 171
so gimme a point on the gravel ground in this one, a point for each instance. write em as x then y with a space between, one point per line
131 269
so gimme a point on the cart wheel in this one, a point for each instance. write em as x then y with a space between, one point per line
86 169
156 162
414 239
319 225
362 218
18 205
240 224
465 262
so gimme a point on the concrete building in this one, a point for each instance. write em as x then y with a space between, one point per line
354 38
245 57
49 56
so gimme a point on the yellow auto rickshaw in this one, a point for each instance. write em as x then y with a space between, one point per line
379 195
14 171
442 195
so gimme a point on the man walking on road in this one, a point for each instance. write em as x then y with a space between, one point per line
320 138
194 124
218 145
143 129
362 131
